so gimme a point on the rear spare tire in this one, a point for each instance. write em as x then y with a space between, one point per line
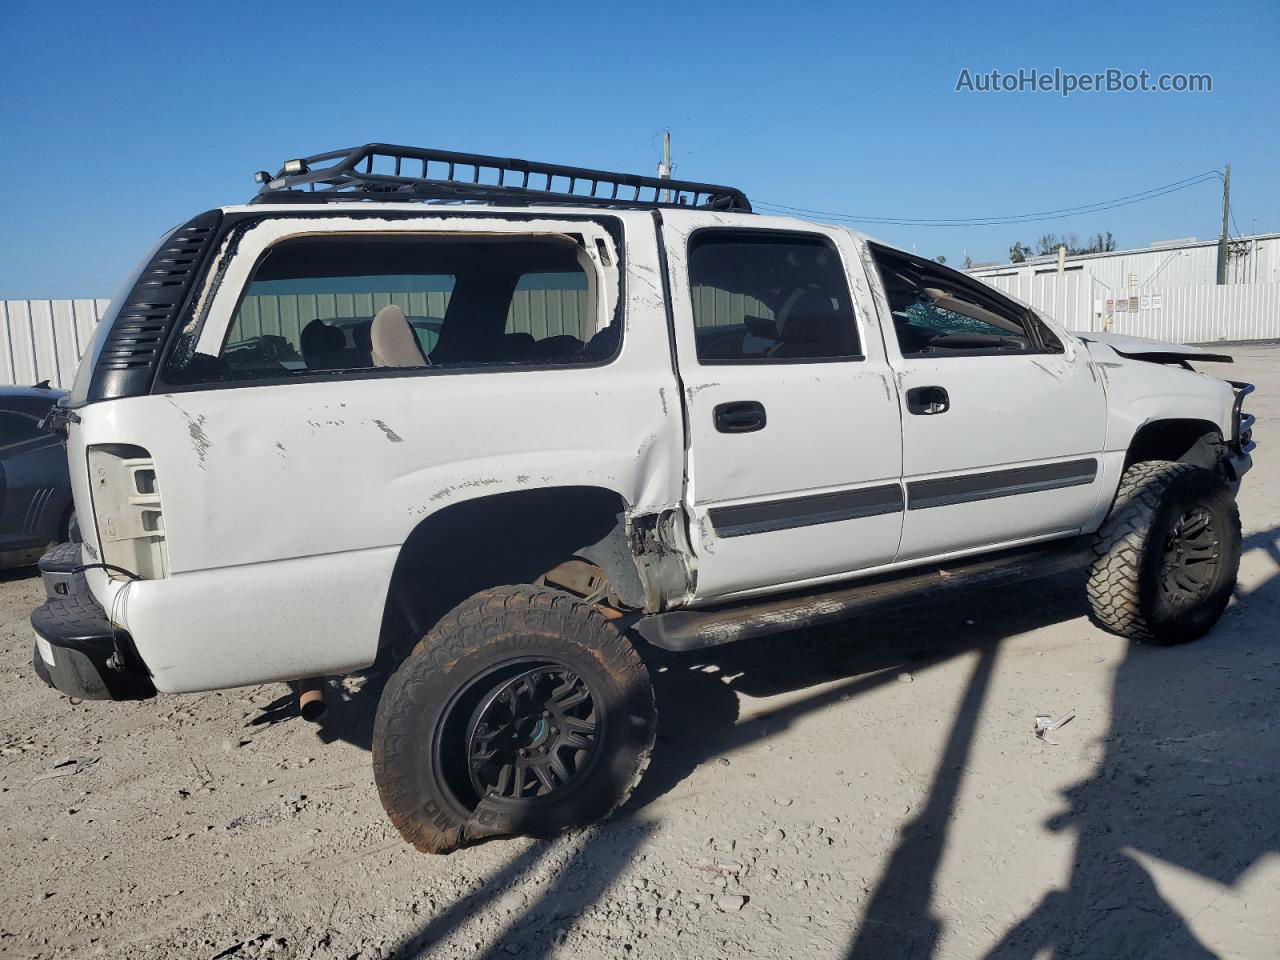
1165 560
523 711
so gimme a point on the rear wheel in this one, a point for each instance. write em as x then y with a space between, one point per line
524 711
1165 560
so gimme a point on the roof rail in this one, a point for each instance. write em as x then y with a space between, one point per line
382 171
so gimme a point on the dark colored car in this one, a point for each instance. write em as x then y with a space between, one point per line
35 489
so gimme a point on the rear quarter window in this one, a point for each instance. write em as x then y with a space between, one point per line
343 303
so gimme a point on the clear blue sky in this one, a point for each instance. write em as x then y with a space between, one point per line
120 119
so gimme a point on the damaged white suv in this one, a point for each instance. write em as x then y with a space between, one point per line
498 424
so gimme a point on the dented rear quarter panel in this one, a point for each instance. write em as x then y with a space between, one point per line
289 502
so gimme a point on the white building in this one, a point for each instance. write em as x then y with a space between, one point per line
1168 291
1171 263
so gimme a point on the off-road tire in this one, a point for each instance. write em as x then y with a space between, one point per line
416 770
1125 579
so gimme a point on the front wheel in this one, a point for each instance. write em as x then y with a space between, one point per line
1165 560
523 711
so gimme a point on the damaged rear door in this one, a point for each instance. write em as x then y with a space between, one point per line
794 457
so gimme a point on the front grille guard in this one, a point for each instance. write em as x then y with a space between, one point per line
1241 422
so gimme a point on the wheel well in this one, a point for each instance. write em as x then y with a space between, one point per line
1196 442
507 538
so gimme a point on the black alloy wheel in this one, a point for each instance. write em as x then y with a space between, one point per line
523 711
532 734
1191 557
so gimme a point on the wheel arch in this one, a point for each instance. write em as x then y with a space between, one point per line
508 538
1181 440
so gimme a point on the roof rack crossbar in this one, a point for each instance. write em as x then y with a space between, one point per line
349 175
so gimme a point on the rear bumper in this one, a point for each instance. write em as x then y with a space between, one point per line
76 650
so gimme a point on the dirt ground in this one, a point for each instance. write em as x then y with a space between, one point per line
868 791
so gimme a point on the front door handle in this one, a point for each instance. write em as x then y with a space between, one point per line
739 416
927 401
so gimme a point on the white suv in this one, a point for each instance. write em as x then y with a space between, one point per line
497 424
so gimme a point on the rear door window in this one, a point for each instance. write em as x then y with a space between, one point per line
766 297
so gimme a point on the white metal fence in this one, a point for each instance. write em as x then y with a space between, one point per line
43 339
1185 314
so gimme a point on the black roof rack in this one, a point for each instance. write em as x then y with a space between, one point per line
383 171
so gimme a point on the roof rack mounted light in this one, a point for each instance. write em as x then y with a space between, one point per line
382 171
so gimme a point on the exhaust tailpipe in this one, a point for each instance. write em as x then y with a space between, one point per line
311 698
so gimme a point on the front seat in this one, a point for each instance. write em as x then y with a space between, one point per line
322 346
809 326
392 343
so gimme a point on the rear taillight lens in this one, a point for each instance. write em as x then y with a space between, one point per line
127 510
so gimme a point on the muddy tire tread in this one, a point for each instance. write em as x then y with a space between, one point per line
462 631
1113 585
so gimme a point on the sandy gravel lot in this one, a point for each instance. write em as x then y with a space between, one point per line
868 791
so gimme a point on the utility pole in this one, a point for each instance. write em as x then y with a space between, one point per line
664 168
1226 216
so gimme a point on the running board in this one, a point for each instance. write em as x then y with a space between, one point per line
708 627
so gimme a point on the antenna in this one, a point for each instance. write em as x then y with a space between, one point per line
664 168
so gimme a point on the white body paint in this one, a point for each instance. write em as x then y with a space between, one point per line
285 506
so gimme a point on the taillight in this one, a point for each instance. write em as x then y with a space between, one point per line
127 511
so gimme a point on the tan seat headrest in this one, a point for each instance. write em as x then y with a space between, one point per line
392 340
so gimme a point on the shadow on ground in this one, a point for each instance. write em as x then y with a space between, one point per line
11 574
1181 779
1187 777
698 703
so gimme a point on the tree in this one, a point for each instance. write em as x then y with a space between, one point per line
1101 243
1049 243
940 259
1098 243
968 261
1019 252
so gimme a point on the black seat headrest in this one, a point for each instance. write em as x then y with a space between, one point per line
318 337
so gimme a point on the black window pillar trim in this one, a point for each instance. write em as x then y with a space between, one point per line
141 325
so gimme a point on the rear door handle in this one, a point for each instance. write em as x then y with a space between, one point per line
739 416
927 401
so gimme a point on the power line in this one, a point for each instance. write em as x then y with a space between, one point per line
1062 211
1033 217
934 68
